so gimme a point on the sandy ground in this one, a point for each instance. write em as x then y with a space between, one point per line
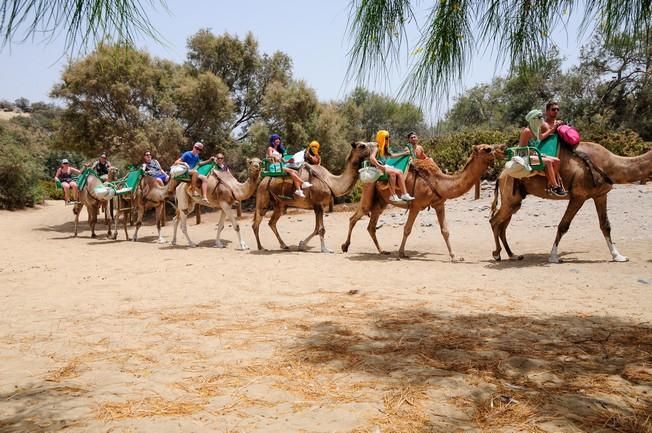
115 336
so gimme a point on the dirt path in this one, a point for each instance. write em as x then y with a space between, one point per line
104 336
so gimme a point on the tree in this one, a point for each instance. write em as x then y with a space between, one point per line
246 73
84 21
518 31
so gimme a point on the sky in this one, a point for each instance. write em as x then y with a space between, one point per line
312 32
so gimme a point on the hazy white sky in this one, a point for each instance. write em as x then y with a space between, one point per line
312 32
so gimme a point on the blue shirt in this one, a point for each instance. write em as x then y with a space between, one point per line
190 159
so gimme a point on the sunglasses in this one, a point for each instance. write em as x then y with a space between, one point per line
148 154
554 109
220 157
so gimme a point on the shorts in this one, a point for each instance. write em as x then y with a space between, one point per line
161 176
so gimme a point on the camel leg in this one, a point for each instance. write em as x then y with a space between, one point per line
160 214
276 215
359 213
125 216
500 220
140 213
226 208
116 205
184 226
304 243
175 223
371 227
407 229
258 218
574 205
445 233
92 219
76 210
220 227
601 208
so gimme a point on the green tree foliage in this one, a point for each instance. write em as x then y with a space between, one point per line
246 73
517 31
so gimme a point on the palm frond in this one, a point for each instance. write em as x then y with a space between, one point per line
83 22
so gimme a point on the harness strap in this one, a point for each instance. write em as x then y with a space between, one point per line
420 174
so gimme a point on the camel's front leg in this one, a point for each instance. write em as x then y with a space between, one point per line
92 219
601 208
373 223
304 243
407 229
320 229
574 205
76 210
220 227
359 213
443 227
276 214
175 226
184 226
140 213
258 218
226 209
510 203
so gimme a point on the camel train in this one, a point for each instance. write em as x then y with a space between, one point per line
588 171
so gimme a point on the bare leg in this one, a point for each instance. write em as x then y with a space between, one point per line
66 191
392 182
574 205
407 229
401 183
278 211
204 188
76 191
601 208
220 227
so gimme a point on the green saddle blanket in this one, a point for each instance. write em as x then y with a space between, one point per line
549 146
401 163
204 170
127 184
275 169
83 177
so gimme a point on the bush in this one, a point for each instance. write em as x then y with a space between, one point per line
20 172
451 151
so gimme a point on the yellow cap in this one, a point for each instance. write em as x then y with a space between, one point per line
382 137
314 145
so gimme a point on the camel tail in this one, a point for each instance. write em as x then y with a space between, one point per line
494 204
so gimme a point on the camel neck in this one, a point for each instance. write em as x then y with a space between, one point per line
623 169
343 183
456 185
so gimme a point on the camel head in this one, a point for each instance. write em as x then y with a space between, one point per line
113 173
486 152
254 167
360 151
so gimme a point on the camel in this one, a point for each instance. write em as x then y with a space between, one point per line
93 203
582 182
223 191
430 187
151 194
279 193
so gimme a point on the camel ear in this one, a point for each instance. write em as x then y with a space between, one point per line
476 148
248 161
353 144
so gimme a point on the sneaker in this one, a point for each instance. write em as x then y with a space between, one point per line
195 194
407 197
204 200
394 198
306 185
558 191
299 193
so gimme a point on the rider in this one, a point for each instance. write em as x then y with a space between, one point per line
192 160
152 167
102 166
413 140
379 150
64 176
275 152
532 135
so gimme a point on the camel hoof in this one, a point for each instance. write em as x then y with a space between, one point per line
345 248
326 250
620 258
302 246
516 258
554 259
135 239
244 247
192 245
161 240
386 253
285 247
93 236
456 259
496 256
219 244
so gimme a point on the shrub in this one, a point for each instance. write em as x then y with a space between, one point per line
20 172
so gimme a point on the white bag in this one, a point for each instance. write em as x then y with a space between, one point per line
103 192
518 167
178 170
369 174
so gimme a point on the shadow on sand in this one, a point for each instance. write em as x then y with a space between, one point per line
589 374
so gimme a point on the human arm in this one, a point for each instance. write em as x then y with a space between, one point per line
406 151
209 160
374 161
73 170
56 175
525 137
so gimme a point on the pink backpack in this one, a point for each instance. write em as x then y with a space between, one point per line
569 135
